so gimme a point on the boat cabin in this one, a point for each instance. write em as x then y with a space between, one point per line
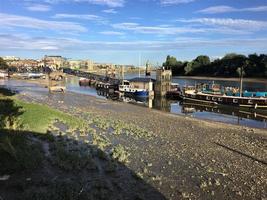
142 83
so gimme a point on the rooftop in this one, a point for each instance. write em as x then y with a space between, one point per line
145 80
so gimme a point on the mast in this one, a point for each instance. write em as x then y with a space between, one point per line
241 81
122 72
139 64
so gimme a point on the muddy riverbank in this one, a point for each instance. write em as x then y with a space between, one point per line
181 157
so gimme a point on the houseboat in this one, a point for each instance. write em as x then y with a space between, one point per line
215 94
129 89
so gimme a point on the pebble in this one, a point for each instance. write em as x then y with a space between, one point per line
185 195
149 164
4 178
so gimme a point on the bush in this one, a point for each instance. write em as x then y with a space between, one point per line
18 153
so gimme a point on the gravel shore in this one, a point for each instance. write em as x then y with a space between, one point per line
181 157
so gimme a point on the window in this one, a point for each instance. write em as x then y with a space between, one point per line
235 100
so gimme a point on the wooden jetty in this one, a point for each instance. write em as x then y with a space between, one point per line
92 76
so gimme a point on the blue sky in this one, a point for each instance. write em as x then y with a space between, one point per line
118 31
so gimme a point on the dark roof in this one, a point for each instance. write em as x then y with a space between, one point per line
145 80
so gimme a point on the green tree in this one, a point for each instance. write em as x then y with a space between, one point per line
177 67
197 65
3 64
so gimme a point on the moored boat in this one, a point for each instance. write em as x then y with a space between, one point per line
128 89
3 74
215 95
175 92
84 82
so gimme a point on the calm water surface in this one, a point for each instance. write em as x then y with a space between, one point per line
225 114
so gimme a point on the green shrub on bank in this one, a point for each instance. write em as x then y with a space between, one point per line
17 153
69 156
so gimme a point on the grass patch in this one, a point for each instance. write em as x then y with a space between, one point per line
38 118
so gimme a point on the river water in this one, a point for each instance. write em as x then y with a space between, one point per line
225 114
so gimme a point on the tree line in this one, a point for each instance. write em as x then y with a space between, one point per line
253 65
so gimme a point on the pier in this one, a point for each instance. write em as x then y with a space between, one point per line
88 75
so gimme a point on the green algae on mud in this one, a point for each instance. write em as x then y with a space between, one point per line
119 127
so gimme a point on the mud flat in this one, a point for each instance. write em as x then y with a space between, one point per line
180 156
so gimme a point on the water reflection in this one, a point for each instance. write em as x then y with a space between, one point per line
223 113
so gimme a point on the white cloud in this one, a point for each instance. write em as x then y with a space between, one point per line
225 9
8 20
109 3
49 48
110 11
74 16
39 7
196 26
173 2
18 42
162 30
217 9
111 33
250 25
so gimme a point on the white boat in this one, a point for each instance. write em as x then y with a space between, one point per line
3 74
127 88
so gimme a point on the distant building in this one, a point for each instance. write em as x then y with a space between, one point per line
23 65
54 62
81 64
10 58
103 65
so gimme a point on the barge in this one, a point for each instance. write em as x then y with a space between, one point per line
255 100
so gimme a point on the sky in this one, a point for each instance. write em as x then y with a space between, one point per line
121 31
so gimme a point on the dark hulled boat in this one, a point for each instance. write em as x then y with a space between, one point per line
215 94
255 100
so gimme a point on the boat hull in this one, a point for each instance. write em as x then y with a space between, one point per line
245 102
137 93
141 93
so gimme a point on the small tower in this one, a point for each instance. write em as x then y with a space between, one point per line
163 81
148 73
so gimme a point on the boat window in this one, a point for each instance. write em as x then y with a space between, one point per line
250 101
220 99
208 98
214 99
235 100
